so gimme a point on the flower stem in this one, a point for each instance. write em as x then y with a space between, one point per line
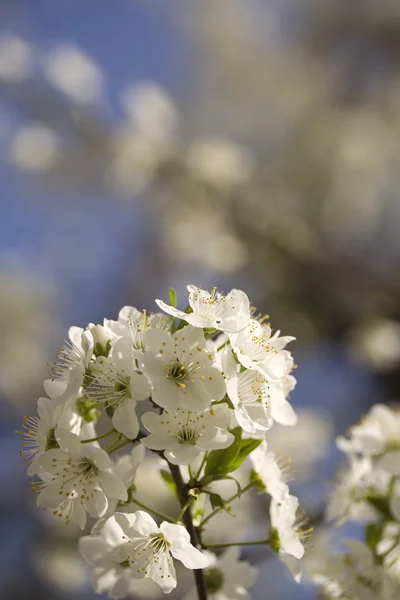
228 544
154 512
193 532
99 437
184 508
116 445
231 499
201 467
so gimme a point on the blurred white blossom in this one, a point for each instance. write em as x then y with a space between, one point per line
377 344
220 162
16 59
34 147
150 110
73 72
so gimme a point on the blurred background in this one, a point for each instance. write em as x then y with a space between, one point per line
237 143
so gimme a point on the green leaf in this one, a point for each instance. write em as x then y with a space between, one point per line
381 503
166 475
373 534
247 446
218 460
172 297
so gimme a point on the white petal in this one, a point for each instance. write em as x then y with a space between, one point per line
159 341
97 455
45 410
390 462
112 533
139 387
158 441
138 522
54 387
163 573
182 454
92 548
125 418
283 413
170 310
69 442
75 335
213 382
167 395
152 422
191 557
97 504
177 535
112 485
78 514
220 439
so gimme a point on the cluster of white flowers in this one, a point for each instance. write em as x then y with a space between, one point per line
216 379
368 492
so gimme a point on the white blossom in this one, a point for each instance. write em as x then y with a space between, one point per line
126 469
378 431
117 383
248 392
227 577
180 370
38 433
110 575
71 365
150 549
70 70
286 533
256 348
271 475
229 313
132 326
184 435
355 575
79 478
347 499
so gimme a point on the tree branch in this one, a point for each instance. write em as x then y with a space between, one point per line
194 534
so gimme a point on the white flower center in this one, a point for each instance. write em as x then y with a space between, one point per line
75 477
211 306
251 388
188 434
148 552
181 373
109 386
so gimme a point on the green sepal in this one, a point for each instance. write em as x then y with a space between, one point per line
173 300
216 501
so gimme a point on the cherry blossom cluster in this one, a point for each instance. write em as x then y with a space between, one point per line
200 388
367 492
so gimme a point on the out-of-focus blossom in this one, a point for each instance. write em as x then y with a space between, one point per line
377 344
136 158
306 442
70 70
26 323
150 110
16 59
201 236
219 162
34 147
61 566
